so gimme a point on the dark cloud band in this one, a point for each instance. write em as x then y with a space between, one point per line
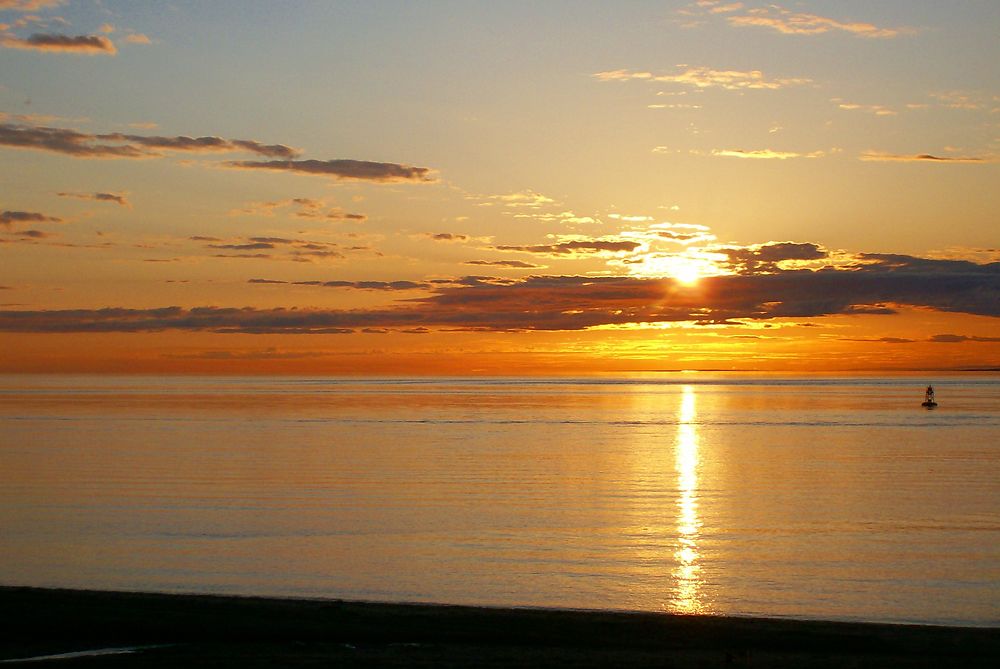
877 286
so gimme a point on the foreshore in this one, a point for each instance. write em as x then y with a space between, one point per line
161 630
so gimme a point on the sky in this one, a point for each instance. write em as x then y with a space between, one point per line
498 188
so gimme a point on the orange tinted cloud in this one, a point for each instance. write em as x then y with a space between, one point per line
28 5
82 44
765 154
882 156
706 77
799 23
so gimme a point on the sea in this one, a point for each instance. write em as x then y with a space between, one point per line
829 496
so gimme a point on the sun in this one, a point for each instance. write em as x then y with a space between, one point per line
686 269
685 272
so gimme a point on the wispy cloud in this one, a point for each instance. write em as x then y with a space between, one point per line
82 44
29 5
275 248
883 156
137 38
8 218
716 7
114 198
357 285
302 207
764 154
513 264
526 198
706 77
877 110
958 339
118 145
788 22
349 170
576 247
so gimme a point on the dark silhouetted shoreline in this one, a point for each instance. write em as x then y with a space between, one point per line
221 631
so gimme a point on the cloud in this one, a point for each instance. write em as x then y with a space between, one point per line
137 38
34 234
203 144
352 170
8 218
958 339
960 100
765 154
576 247
882 156
118 145
799 23
559 217
447 237
526 198
681 233
278 248
714 7
878 110
358 285
766 258
116 198
250 246
877 284
706 77
515 264
303 208
28 5
82 44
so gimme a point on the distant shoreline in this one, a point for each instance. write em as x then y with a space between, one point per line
160 630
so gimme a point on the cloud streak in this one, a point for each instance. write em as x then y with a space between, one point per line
885 157
8 218
576 247
303 207
114 198
28 5
706 77
513 264
788 22
342 170
764 154
118 145
81 44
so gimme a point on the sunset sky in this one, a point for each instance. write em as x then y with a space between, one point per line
498 187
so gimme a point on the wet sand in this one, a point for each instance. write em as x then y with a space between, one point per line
156 630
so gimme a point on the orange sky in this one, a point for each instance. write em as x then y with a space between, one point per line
498 190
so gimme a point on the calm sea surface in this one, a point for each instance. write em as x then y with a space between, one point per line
816 497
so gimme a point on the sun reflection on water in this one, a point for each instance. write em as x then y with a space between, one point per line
687 597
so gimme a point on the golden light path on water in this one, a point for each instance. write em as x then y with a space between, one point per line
687 596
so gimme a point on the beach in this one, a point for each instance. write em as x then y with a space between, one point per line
166 630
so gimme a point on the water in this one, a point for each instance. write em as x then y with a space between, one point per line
832 497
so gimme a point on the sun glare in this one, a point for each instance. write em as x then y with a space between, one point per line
687 269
